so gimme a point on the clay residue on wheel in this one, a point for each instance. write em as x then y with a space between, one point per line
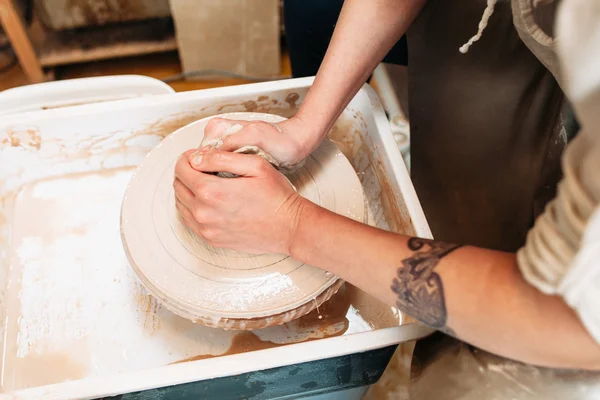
46 369
331 319
291 99
261 104
385 201
28 138
148 307
250 105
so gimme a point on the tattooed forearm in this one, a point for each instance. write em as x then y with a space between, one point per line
419 289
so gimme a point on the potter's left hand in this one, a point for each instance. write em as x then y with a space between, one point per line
256 212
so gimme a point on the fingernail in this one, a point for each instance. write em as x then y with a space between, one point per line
197 159
204 149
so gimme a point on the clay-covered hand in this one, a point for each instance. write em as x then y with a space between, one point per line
255 213
284 141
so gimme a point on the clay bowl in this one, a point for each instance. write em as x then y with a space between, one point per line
219 287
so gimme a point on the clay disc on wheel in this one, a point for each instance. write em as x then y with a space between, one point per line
222 287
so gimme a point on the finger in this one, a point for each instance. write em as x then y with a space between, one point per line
194 180
253 134
219 127
235 163
199 153
188 217
184 212
182 193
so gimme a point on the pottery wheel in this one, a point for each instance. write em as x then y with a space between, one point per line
221 287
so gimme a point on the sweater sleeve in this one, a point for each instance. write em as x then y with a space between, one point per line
562 253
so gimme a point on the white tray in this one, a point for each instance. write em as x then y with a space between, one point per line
70 92
77 324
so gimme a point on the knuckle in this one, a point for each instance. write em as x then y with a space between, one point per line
262 166
205 196
199 215
204 216
179 165
210 195
177 185
198 187
216 127
213 243
255 127
213 123
265 126
180 208
261 125
209 234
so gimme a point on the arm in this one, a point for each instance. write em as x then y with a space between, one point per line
365 32
475 294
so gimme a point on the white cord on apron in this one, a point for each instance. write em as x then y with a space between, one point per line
487 13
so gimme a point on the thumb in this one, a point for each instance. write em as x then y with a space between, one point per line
234 163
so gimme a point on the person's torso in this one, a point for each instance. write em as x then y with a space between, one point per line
486 126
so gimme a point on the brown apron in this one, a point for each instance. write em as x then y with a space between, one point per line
487 133
485 126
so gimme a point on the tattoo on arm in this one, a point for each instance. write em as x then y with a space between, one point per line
419 289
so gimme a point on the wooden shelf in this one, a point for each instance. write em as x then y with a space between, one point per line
99 43
37 47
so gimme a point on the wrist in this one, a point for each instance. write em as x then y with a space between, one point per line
300 218
305 133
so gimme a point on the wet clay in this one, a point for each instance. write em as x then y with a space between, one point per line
331 319
46 369
44 341
220 288
386 206
27 138
242 343
263 104
149 307
291 99
372 311
145 335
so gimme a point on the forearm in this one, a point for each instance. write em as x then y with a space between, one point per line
475 294
365 32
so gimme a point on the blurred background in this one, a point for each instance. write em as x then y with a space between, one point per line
189 44
220 42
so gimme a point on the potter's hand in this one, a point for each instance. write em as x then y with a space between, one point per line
255 213
283 141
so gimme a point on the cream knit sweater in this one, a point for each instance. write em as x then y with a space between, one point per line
562 253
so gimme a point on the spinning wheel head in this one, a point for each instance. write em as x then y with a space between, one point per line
222 287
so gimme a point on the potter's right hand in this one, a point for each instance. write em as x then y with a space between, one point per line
284 141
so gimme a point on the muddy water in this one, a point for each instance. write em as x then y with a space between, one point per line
73 308
350 307
63 244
